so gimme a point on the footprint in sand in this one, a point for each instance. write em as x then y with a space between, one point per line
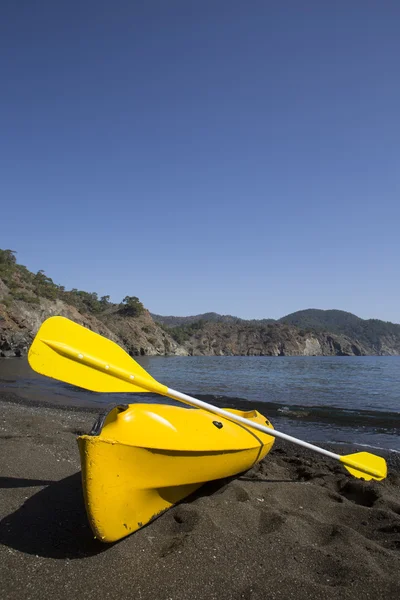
181 522
240 493
359 492
336 497
185 519
394 507
270 521
394 528
175 544
331 571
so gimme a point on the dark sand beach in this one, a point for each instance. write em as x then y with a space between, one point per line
295 526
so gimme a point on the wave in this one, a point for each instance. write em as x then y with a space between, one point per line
385 421
331 443
378 421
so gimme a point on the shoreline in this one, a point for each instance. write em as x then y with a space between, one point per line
294 526
276 412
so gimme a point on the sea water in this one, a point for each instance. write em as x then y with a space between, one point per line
320 399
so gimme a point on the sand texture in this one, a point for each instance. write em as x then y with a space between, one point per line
295 526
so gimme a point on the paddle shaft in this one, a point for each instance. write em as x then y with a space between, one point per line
243 421
347 461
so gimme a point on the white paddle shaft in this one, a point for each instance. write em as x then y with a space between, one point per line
238 419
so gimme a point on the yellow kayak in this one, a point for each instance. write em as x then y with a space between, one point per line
141 459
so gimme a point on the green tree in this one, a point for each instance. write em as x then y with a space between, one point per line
105 301
7 265
45 286
133 306
8 257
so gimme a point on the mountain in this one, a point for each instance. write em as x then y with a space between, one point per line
376 335
336 331
210 317
322 319
27 299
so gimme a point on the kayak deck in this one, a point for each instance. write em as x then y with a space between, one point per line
141 459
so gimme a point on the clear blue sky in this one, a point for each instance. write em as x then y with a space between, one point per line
205 155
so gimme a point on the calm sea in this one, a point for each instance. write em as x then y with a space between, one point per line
320 399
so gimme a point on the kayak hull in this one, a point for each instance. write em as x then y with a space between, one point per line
145 458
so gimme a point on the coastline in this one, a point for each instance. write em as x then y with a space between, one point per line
295 526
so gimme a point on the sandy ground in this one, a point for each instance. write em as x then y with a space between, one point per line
295 526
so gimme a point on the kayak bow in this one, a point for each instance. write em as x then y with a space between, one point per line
143 458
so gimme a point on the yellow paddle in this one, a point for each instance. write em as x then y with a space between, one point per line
71 353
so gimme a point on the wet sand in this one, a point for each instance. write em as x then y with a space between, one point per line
295 526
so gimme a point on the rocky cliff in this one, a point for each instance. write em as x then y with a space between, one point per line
222 339
20 321
27 299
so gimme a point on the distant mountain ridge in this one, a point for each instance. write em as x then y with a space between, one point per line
366 331
371 336
314 318
210 317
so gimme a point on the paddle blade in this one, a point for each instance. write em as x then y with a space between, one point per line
71 353
365 465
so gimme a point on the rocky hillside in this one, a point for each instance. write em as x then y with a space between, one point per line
224 339
380 337
27 299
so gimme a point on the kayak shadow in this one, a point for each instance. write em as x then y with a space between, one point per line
52 523
17 482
